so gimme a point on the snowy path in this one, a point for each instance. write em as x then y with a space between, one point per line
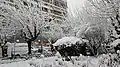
56 62
16 64
27 63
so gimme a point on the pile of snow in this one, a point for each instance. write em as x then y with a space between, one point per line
69 40
115 43
58 54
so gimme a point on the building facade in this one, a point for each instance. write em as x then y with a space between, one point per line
56 9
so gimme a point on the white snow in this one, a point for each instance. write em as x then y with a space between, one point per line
115 43
69 40
81 61
58 54
20 48
21 44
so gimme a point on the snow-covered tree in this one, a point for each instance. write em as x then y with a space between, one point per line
95 29
74 23
26 17
92 16
31 19
96 37
52 32
98 13
107 9
7 26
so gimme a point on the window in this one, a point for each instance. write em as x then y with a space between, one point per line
16 6
11 1
56 12
48 27
60 3
64 14
36 1
37 6
56 2
46 1
45 4
31 5
50 1
63 4
25 3
44 9
45 19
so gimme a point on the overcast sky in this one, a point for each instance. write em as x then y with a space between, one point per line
75 4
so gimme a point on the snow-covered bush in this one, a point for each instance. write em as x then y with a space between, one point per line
105 60
108 60
43 63
70 46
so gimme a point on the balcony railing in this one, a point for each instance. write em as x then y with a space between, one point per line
57 3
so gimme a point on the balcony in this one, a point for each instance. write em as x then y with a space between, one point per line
48 1
53 5
44 9
60 3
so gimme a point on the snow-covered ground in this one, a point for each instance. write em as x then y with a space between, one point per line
81 61
46 62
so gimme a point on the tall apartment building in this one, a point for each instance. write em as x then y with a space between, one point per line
55 9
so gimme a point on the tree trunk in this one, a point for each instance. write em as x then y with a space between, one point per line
3 55
29 47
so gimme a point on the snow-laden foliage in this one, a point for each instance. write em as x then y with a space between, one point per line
71 46
52 31
75 22
106 9
92 16
83 20
30 20
108 60
68 41
105 60
96 37
82 29
8 25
